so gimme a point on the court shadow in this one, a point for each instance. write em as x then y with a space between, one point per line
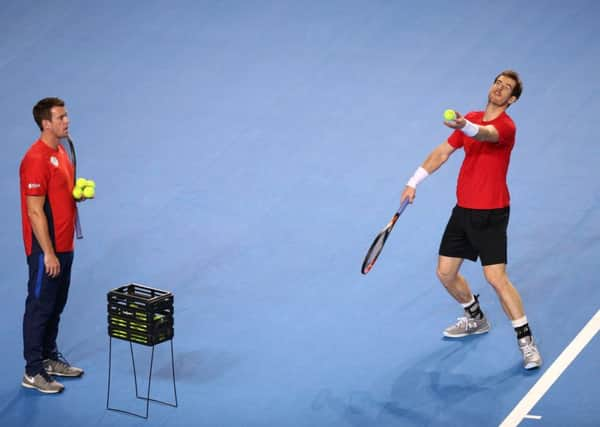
360 409
198 366
431 392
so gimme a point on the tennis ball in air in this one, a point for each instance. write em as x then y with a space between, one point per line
77 193
89 192
449 115
80 182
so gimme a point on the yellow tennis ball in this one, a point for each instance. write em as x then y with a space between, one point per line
449 115
89 192
77 193
80 182
90 183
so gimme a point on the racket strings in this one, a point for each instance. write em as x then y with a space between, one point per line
376 248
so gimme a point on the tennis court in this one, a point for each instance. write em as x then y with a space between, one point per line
245 156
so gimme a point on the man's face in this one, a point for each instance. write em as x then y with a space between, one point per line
500 93
58 125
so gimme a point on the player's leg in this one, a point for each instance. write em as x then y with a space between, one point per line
474 321
54 361
491 238
454 248
509 296
511 302
456 285
38 307
63 281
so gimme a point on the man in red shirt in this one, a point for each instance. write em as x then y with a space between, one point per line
477 226
48 219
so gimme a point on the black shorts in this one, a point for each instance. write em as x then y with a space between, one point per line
473 233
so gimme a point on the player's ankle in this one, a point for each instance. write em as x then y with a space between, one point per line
472 308
521 327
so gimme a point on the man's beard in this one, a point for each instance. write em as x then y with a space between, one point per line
505 103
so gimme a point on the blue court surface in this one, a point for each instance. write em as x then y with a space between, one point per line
247 152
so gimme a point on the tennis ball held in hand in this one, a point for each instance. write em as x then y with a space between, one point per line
449 115
77 193
89 192
84 188
80 182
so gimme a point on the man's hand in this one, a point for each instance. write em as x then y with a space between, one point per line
457 123
52 265
408 193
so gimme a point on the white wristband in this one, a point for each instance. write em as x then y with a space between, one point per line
419 175
470 129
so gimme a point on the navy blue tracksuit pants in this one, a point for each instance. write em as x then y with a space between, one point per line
46 299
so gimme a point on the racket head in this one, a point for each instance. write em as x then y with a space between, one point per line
379 242
375 250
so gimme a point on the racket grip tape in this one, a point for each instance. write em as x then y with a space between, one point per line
78 230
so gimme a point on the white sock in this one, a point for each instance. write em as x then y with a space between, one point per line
521 321
470 302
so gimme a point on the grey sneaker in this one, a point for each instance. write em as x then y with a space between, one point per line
42 382
531 355
61 367
467 326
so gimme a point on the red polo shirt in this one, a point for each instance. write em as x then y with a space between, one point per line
482 178
48 172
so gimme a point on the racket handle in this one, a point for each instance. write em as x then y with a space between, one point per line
78 231
403 206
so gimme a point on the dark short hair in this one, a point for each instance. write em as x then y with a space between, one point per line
41 110
512 74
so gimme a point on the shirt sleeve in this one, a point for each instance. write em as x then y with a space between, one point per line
34 176
506 130
456 139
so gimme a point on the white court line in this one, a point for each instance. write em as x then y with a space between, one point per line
553 372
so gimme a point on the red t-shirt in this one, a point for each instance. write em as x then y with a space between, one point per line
48 172
482 178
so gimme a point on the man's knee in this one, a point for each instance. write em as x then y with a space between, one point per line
497 277
446 276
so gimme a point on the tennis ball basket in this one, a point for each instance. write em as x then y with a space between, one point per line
140 314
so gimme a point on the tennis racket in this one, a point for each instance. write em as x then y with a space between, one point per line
73 157
377 245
